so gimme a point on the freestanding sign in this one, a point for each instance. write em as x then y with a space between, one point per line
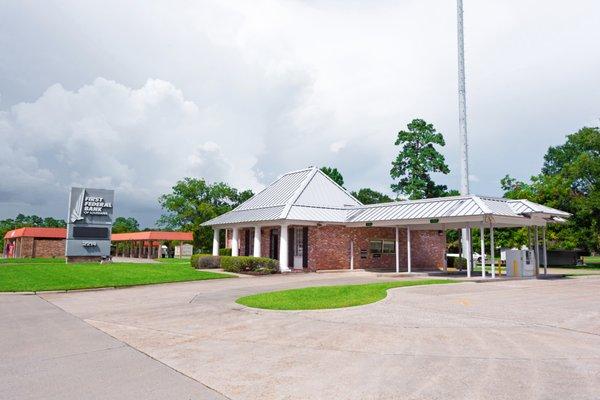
89 224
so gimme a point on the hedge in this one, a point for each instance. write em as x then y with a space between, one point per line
246 264
460 263
242 264
225 252
205 261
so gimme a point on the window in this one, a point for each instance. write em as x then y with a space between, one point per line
382 247
375 246
389 247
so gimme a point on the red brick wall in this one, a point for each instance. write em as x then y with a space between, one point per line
329 248
49 248
265 240
25 247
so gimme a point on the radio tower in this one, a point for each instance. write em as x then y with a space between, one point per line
462 121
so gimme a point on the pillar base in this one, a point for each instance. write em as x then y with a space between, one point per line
83 259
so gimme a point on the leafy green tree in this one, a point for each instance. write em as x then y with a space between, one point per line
370 196
22 221
570 181
334 174
50 222
122 224
194 201
417 159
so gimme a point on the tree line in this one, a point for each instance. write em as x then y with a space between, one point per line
568 180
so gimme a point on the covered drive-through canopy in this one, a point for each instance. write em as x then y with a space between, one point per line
147 243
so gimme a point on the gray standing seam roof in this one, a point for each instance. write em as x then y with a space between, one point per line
310 195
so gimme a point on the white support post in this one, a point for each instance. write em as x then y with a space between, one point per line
397 251
468 251
492 251
482 241
408 256
537 251
235 249
283 249
215 251
545 251
257 242
351 255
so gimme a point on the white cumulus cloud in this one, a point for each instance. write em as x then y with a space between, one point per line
138 141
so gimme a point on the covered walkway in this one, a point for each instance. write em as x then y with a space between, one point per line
147 244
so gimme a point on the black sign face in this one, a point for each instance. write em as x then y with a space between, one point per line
90 232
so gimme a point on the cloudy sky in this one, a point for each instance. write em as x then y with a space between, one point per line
134 95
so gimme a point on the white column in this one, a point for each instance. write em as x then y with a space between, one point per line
545 251
397 250
235 248
482 241
215 251
351 254
408 257
492 251
537 251
257 241
283 249
468 251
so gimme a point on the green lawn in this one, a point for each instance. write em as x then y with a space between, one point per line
322 297
25 275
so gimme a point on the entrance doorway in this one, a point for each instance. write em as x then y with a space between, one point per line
298 250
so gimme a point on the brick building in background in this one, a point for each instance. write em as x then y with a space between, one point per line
35 242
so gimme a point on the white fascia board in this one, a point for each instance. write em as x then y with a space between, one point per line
422 221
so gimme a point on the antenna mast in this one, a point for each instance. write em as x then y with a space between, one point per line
462 104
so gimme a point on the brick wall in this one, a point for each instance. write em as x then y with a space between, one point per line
265 240
49 248
25 247
329 248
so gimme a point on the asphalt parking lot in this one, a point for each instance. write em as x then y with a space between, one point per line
531 339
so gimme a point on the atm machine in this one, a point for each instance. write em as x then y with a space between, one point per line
520 263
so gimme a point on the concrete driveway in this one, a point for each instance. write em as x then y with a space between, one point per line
46 353
532 339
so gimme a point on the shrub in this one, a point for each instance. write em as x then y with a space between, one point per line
205 261
252 265
225 252
460 263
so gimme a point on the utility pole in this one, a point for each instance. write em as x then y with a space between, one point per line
462 121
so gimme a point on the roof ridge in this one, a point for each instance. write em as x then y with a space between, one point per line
408 201
298 192
340 187
484 208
